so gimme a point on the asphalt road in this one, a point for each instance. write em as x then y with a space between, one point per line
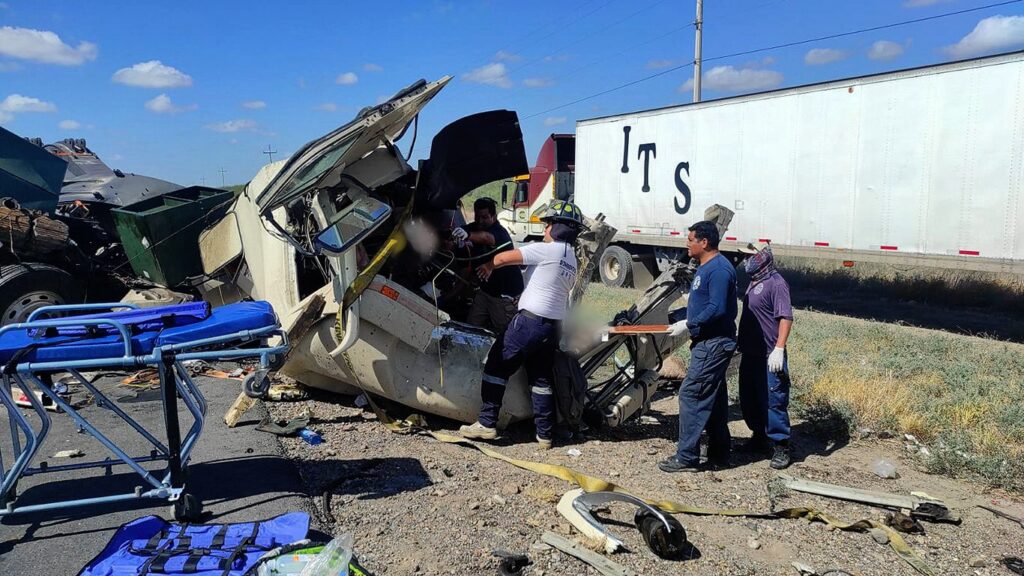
239 474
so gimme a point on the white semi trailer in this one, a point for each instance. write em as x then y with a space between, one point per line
917 167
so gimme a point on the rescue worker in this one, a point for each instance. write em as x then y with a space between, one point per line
496 302
764 372
711 323
532 337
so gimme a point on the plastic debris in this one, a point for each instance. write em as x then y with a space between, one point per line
574 452
69 454
311 437
332 560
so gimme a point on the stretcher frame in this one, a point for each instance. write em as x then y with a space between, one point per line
174 382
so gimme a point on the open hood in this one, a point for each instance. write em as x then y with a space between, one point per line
325 158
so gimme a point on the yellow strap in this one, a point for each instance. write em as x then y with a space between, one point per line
417 424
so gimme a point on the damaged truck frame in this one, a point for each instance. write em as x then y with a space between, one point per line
338 239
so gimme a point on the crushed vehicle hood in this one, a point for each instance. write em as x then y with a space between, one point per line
89 179
324 159
28 173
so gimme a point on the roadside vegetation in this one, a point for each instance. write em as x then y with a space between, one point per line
962 397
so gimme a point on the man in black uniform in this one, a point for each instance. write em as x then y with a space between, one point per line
497 300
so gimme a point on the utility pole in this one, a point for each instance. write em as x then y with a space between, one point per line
699 25
202 180
222 172
270 152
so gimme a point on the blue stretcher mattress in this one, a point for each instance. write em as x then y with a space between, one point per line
222 321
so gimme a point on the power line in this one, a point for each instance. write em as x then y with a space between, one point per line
775 47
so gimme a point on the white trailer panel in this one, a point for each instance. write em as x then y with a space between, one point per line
922 164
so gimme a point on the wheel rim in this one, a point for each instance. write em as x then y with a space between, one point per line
612 269
20 309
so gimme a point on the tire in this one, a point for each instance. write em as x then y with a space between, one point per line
28 287
616 267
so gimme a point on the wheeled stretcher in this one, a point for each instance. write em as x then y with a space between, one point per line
122 336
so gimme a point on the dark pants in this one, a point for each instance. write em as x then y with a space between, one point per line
704 401
764 397
531 342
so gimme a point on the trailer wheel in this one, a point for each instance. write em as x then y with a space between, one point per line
616 267
25 288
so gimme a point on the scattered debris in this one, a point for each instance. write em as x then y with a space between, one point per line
598 562
977 562
884 469
663 534
240 406
288 428
311 437
920 505
574 452
511 564
903 523
804 569
1013 564
1003 513
69 454
287 392
753 544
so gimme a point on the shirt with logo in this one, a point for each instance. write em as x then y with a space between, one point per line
764 304
711 308
550 275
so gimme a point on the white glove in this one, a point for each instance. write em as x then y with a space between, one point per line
775 359
459 235
678 329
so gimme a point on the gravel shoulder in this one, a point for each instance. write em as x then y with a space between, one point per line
419 506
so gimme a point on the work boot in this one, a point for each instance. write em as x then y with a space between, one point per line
543 443
780 458
478 431
672 464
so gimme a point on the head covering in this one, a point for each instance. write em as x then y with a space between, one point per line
562 232
761 265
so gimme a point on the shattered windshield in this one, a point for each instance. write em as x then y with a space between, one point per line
316 170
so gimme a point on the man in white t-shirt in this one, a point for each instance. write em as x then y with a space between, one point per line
531 338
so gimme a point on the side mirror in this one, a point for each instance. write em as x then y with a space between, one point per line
522 192
504 194
351 225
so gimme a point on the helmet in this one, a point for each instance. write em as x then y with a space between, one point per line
565 212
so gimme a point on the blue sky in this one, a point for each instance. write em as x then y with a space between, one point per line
180 90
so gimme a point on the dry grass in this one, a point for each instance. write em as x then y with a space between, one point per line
962 396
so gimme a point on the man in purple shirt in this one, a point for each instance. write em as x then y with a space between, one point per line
764 374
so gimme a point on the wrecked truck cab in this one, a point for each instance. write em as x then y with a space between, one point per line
317 235
341 240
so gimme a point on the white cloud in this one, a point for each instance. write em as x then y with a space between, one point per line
818 56
993 34
17 104
347 79
554 120
506 56
659 64
69 125
152 74
493 74
730 79
371 67
254 104
920 3
43 46
538 82
885 50
162 105
242 125
327 107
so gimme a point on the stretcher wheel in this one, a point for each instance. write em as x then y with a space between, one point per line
256 384
187 508
276 362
